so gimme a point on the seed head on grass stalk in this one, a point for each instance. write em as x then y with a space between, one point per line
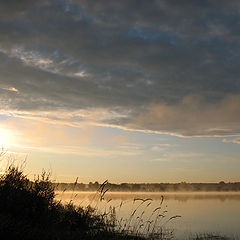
99 191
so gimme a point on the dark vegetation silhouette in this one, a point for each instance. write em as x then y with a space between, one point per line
29 211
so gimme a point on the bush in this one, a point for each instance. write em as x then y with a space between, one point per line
28 211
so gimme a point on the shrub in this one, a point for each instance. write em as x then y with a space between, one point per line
28 210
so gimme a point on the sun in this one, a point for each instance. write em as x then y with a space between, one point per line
5 137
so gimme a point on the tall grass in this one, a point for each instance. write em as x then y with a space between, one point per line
29 210
139 223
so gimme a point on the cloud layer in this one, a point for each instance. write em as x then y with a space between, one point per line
163 66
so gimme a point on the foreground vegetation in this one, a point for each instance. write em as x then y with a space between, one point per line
29 211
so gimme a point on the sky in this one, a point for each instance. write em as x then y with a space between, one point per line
129 91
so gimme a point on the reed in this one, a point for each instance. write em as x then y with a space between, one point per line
137 224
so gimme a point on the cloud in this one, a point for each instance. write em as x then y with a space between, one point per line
191 117
37 135
159 160
159 147
178 157
166 67
236 140
10 89
83 151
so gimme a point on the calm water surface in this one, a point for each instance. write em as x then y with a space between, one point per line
200 212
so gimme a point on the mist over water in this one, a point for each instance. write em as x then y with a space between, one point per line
201 212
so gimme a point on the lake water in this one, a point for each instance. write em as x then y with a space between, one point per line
200 212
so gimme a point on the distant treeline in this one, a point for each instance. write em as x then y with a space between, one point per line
151 187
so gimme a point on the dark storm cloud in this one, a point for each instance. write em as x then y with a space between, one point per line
131 58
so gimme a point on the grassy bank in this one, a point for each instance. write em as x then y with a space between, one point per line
29 211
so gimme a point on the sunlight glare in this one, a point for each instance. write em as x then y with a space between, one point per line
5 137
